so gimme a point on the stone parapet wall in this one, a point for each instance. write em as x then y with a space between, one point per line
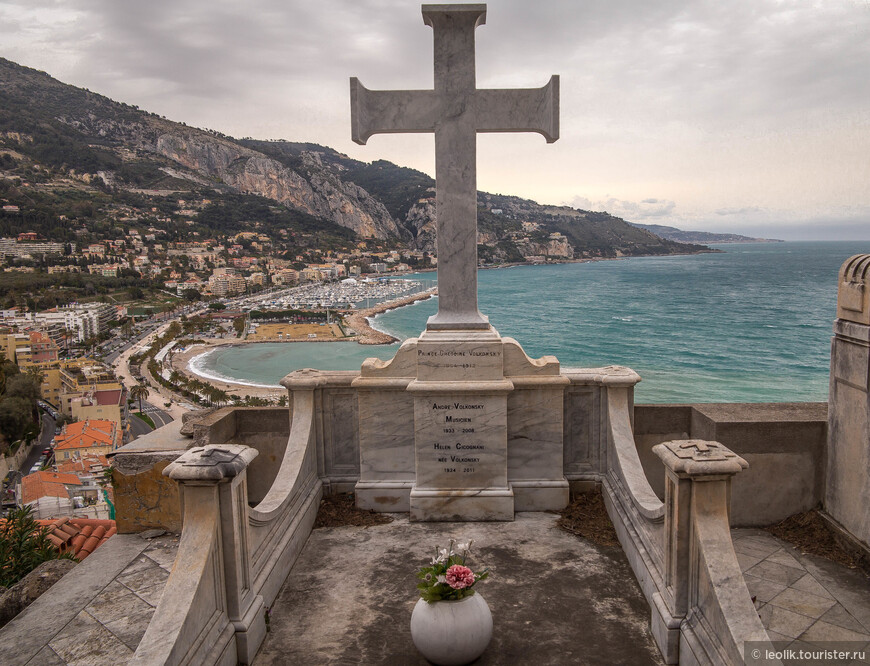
785 441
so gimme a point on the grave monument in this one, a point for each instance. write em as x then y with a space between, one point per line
487 420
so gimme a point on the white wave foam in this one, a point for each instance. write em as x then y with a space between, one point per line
197 365
373 321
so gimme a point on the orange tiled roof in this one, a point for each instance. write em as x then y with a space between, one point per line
46 484
47 476
86 434
80 536
85 465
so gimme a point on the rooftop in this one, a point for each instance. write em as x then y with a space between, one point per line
46 484
85 434
79 536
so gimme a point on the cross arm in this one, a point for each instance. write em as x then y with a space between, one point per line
520 110
388 111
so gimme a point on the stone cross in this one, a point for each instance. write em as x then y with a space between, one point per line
455 111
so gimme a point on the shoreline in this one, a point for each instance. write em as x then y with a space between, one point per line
358 321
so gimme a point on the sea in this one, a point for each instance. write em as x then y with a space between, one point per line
751 323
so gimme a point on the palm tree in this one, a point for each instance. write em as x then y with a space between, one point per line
220 396
139 392
176 378
36 374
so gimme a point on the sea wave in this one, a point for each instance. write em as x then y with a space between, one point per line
198 366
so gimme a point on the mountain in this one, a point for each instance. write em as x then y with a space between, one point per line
674 234
80 166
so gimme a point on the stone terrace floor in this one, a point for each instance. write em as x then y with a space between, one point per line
98 613
803 600
555 598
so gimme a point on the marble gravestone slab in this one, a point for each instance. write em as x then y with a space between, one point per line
444 445
460 428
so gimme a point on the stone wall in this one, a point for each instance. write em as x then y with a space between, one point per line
15 461
847 492
785 441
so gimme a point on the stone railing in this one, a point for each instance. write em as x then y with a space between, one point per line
233 558
208 612
703 580
680 549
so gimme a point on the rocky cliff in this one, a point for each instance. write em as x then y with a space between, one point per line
320 194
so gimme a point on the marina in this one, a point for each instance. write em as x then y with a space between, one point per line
346 294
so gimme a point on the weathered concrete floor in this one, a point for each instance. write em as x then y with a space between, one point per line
555 598
803 600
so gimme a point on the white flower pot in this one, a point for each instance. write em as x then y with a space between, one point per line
450 633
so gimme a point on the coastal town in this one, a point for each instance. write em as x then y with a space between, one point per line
83 378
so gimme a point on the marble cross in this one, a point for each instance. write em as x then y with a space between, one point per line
455 111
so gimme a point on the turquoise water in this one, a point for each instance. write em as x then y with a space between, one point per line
752 324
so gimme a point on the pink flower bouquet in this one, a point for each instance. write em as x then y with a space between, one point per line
447 578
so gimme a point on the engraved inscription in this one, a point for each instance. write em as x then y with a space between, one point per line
461 442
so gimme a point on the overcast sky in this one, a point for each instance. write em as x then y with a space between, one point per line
747 116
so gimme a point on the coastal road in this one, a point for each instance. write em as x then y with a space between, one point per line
46 435
138 427
160 416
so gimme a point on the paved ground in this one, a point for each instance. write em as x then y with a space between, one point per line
803 600
555 599
98 617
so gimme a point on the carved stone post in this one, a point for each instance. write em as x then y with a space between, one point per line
693 468
847 486
217 473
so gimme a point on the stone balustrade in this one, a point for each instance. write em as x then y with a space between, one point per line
680 549
703 584
234 557
692 600
209 612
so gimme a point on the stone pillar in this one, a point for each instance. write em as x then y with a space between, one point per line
847 484
694 469
217 474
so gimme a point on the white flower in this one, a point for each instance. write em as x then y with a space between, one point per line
464 547
437 560
444 553
442 579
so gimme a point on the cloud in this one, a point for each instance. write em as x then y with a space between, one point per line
747 210
627 210
735 109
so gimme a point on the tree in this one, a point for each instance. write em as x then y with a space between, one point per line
140 392
15 416
191 295
218 396
24 545
217 306
239 326
7 369
36 374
